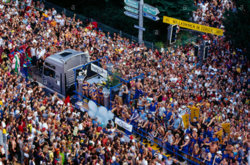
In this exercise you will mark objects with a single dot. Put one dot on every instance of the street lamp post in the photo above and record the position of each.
(140, 34)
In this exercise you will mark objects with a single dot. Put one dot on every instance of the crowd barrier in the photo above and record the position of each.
(158, 141)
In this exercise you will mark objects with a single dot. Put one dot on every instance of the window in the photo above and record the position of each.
(50, 65)
(49, 72)
(64, 54)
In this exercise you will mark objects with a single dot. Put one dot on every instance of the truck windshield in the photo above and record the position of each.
(50, 65)
(49, 72)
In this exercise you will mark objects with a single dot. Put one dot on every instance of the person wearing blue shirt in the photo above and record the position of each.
(185, 145)
(169, 116)
(225, 155)
(134, 117)
(1, 112)
(115, 163)
(161, 110)
(141, 150)
(217, 158)
(25, 21)
(214, 138)
(143, 119)
(188, 130)
(94, 121)
(209, 132)
(140, 103)
(207, 142)
(153, 106)
(201, 139)
(208, 159)
(143, 115)
(177, 123)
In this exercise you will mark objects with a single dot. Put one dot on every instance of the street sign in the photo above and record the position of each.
(140, 28)
(137, 9)
(150, 9)
(146, 8)
(152, 17)
(132, 10)
(127, 13)
(132, 3)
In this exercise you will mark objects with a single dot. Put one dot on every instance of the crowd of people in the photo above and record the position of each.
(44, 130)
(210, 12)
(173, 84)
(40, 129)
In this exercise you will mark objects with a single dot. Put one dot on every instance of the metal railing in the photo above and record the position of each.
(178, 154)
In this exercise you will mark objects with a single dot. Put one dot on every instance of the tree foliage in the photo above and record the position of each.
(237, 24)
(111, 12)
(181, 9)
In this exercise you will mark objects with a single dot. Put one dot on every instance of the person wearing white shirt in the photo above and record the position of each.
(2, 150)
(3, 123)
(144, 162)
(195, 17)
(162, 109)
(197, 72)
(41, 53)
(28, 2)
(54, 12)
(1, 6)
(45, 125)
(1, 42)
(80, 127)
(169, 161)
(62, 22)
(33, 51)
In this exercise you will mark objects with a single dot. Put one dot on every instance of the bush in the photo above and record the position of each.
(160, 45)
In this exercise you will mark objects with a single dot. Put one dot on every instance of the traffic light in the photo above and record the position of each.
(196, 50)
(205, 52)
(174, 34)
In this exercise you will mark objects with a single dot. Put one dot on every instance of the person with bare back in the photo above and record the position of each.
(138, 90)
(213, 148)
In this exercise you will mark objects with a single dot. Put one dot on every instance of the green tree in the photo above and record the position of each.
(181, 9)
(237, 25)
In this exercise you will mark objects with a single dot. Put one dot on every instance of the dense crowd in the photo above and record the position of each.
(210, 12)
(173, 85)
(45, 130)
(41, 129)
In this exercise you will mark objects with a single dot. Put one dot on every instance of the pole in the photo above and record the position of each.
(5, 145)
(140, 34)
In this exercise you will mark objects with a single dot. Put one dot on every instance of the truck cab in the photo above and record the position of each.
(58, 70)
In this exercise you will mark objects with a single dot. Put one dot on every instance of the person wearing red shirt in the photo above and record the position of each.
(104, 141)
(20, 128)
(199, 98)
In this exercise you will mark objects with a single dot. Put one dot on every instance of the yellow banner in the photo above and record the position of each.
(219, 134)
(192, 26)
(226, 127)
(185, 119)
(195, 112)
